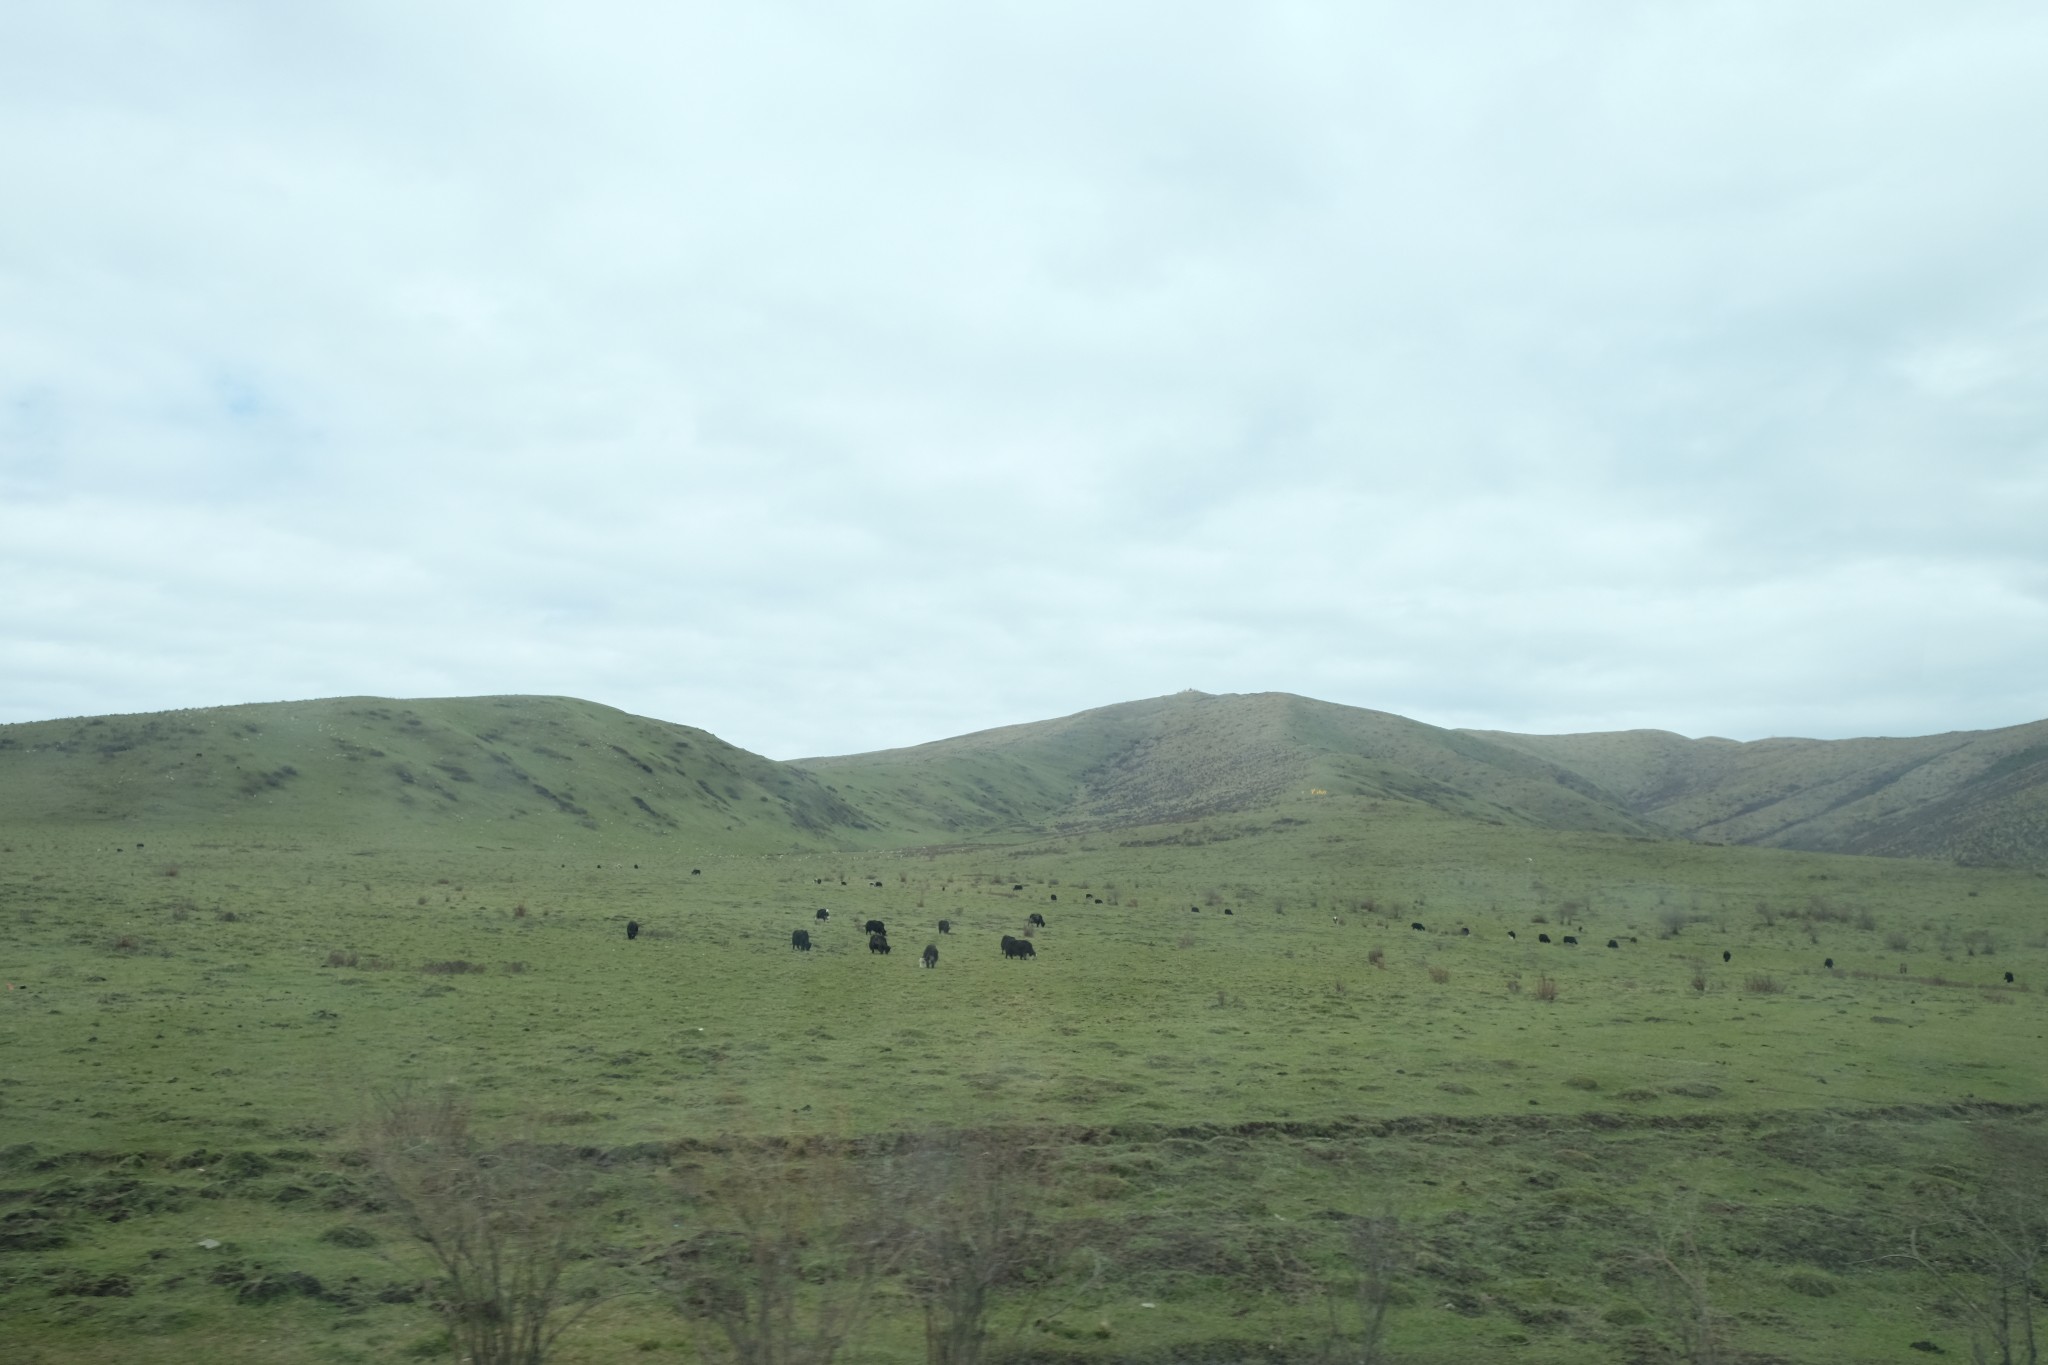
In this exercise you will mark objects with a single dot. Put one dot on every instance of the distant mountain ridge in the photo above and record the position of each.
(519, 768)
(1976, 796)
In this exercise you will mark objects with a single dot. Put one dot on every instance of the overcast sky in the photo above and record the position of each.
(837, 376)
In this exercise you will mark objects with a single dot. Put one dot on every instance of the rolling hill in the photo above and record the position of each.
(505, 769)
(1973, 796)
(1194, 755)
(517, 769)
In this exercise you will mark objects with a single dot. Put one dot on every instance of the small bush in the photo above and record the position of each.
(1897, 941)
(453, 967)
(1699, 977)
(1440, 975)
(519, 911)
(228, 917)
(337, 958)
(1582, 1083)
(1546, 988)
(1760, 984)
(1186, 940)
(1812, 1283)
(1378, 958)
(349, 1235)
(1514, 985)
(127, 943)
(514, 968)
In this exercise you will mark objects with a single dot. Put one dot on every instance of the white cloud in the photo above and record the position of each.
(847, 376)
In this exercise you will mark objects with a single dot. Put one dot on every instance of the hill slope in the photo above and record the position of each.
(1192, 755)
(492, 768)
(1976, 796)
(518, 769)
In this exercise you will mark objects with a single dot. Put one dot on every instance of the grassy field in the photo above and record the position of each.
(1230, 1045)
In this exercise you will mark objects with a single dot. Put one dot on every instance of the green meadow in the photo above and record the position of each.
(1230, 1052)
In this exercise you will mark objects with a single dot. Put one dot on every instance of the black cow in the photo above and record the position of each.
(1194, 909)
(2008, 978)
(945, 926)
(632, 929)
(1543, 938)
(1726, 955)
(1612, 944)
(931, 954)
(1018, 947)
(874, 926)
(1465, 930)
(1053, 897)
(801, 940)
(1018, 887)
(1038, 919)
(1415, 924)
(878, 943)
(1226, 909)
(1511, 933)
(1830, 965)
(1569, 939)
(696, 872)
(823, 914)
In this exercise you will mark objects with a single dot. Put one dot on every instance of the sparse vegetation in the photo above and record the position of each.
(1203, 1115)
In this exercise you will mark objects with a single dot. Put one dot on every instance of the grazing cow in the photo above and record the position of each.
(931, 954)
(1194, 909)
(1226, 909)
(1024, 948)
(823, 914)
(1053, 897)
(1726, 955)
(1612, 944)
(1511, 933)
(874, 926)
(632, 929)
(2008, 978)
(801, 940)
(945, 926)
(1018, 887)
(878, 943)
(1573, 941)
(1830, 965)
(696, 872)
(1038, 919)
(1464, 930)
(1543, 938)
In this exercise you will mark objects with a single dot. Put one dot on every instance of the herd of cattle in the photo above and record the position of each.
(878, 938)
(1022, 948)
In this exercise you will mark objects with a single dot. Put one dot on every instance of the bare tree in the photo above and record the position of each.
(1680, 1269)
(788, 1259)
(502, 1226)
(1987, 1244)
(1375, 1251)
(980, 1258)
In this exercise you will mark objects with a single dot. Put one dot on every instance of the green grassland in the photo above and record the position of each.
(205, 995)
(181, 1062)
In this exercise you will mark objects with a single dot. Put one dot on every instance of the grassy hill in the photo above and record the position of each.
(1599, 1098)
(1192, 755)
(1974, 796)
(521, 769)
(484, 769)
